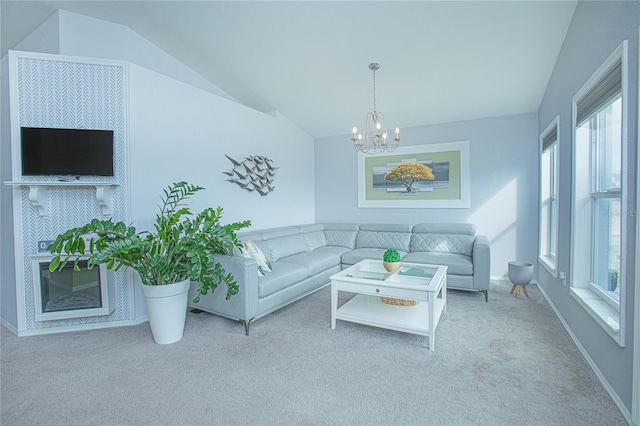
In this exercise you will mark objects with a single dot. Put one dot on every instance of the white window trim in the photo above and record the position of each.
(548, 262)
(610, 319)
(635, 392)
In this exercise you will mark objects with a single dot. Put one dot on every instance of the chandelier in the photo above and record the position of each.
(375, 137)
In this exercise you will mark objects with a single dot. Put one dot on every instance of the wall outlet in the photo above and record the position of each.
(563, 276)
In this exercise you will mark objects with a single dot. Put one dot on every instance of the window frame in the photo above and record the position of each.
(610, 316)
(548, 256)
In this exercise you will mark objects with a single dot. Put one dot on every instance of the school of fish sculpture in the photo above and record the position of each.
(254, 173)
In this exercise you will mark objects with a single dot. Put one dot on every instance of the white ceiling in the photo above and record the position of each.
(440, 61)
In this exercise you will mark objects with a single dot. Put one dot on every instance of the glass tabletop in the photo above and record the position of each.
(408, 273)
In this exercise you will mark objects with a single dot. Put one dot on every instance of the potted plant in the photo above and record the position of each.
(179, 251)
(391, 260)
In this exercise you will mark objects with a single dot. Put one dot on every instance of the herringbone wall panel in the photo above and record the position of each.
(72, 95)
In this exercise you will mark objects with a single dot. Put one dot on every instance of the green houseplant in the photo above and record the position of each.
(391, 260)
(179, 251)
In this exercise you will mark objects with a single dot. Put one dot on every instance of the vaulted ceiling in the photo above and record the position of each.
(440, 61)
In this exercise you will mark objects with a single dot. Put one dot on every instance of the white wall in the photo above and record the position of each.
(44, 39)
(8, 307)
(180, 127)
(85, 36)
(179, 132)
(69, 33)
(596, 30)
(504, 184)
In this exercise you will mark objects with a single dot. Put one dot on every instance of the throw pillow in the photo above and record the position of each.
(241, 252)
(251, 250)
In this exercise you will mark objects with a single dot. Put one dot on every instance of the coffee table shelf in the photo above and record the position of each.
(371, 310)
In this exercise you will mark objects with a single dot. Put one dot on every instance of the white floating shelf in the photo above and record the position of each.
(39, 193)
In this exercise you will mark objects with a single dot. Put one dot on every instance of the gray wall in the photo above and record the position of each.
(504, 183)
(596, 30)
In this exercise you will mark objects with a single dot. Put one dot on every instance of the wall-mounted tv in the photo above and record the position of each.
(62, 152)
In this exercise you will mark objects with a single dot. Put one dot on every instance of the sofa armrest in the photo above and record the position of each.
(481, 263)
(242, 306)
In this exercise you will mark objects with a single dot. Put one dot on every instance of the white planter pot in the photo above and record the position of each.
(520, 273)
(167, 309)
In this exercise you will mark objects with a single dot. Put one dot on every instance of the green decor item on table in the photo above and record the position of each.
(391, 255)
(391, 260)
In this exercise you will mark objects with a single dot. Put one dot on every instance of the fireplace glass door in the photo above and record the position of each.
(67, 289)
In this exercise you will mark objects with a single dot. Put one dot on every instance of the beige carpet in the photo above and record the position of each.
(506, 362)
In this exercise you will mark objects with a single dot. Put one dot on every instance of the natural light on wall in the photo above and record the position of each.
(500, 229)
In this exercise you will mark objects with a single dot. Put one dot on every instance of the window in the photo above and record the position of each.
(548, 246)
(599, 225)
(603, 129)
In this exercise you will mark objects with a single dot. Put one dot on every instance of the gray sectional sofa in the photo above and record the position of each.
(303, 258)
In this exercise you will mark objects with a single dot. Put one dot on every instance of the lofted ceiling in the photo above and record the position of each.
(440, 61)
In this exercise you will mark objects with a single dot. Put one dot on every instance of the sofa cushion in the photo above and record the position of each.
(315, 239)
(341, 238)
(309, 228)
(315, 261)
(249, 235)
(284, 275)
(445, 228)
(443, 243)
(385, 240)
(287, 246)
(355, 256)
(385, 227)
(271, 233)
(333, 249)
(458, 264)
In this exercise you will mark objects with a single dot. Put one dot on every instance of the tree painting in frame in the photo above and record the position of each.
(420, 176)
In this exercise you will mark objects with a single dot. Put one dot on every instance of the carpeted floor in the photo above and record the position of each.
(506, 362)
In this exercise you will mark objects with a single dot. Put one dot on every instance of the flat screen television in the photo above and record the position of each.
(66, 152)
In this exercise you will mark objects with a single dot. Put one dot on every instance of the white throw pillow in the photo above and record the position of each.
(249, 249)
(240, 252)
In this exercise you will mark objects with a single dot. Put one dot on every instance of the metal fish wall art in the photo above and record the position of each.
(254, 173)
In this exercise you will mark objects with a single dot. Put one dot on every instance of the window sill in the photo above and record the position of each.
(549, 265)
(605, 315)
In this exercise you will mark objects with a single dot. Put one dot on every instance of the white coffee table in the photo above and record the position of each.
(368, 278)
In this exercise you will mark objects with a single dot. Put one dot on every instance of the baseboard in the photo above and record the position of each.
(499, 278)
(505, 278)
(612, 393)
(83, 327)
(9, 326)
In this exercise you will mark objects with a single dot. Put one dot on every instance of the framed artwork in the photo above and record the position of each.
(419, 176)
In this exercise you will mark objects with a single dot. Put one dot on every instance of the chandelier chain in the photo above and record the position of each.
(374, 91)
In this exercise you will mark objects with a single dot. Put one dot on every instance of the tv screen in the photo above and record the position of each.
(64, 152)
